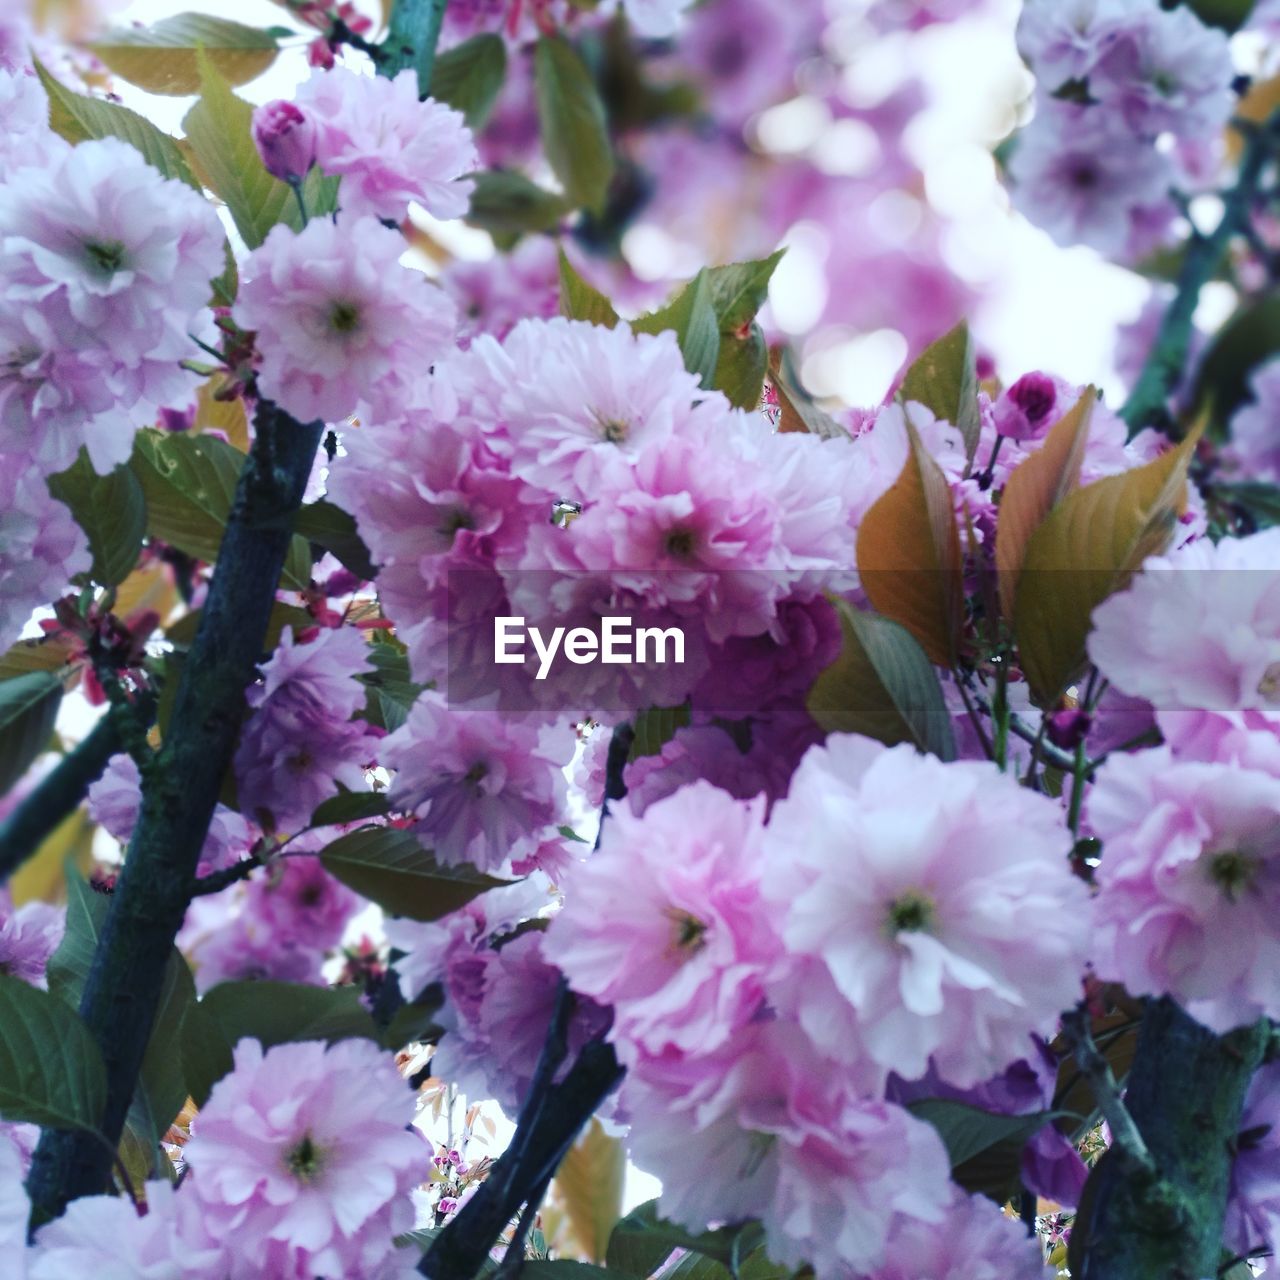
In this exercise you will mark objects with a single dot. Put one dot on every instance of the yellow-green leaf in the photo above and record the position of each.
(590, 1179)
(944, 379)
(43, 877)
(691, 316)
(1088, 547)
(1035, 488)
(469, 76)
(580, 300)
(883, 686)
(909, 554)
(162, 58)
(79, 118)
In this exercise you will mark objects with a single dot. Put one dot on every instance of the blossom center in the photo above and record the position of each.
(306, 1160)
(105, 256)
(613, 430)
(680, 543)
(476, 774)
(1269, 685)
(1234, 872)
(688, 933)
(344, 317)
(912, 912)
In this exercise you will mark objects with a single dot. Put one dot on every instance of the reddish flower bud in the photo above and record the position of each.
(286, 139)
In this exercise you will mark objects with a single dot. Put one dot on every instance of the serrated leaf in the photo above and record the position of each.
(111, 510)
(68, 967)
(330, 527)
(78, 119)
(655, 727)
(189, 482)
(350, 806)
(218, 129)
(590, 1179)
(692, 318)
(944, 378)
(469, 76)
(507, 203)
(883, 686)
(740, 289)
(28, 708)
(642, 1241)
(575, 135)
(909, 554)
(1035, 488)
(390, 867)
(582, 301)
(968, 1131)
(51, 1071)
(272, 1013)
(798, 410)
(1088, 547)
(392, 691)
(161, 58)
(43, 876)
(46, 653)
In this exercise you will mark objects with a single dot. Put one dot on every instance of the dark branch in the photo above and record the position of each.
(411, 40)
(216, 881)
(1148, 404)
(55, 796)
(179, 794)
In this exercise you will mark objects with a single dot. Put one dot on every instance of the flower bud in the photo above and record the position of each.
(1025, 411)
(286, 139)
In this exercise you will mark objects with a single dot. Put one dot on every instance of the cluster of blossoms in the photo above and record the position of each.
(1132, 103)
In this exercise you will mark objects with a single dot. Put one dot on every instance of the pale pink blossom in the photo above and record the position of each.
(302, 1163)
(654, 19)
(481, 785)
(388, 147)
(1255, 444)
(665, 922)
(1064, 40)
(1253, 1207)
(15, 1207)
(29, 935)
(951, 931)
(339, 320)
(116, 260)
(1189, 884)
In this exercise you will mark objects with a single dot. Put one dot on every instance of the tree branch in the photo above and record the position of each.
(125, 979)
(411, 40)
(1148, 404)
(55, 796)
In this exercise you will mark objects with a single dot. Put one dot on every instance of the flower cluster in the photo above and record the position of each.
(1114, 78)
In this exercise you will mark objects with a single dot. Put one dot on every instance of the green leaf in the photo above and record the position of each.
(390, 867)
(469, 77)
(69, 965)
(218, 129)
(562, 1269)
(43, 653)
(692, 317)
(504, 202)
(582, 301)
(111, 510)
(654, 728)
(333, 529)
(51, 1072)
(351, 806)
(1086, 548)
(189, 482)
(162, 58)
(575, 134)
(272, 1013)
(78, 119)
(415, 1021)
(590, 1180)
(944, 378)
(1229, 14)
(740, 289)
(392, 692)
(28, 707)
(799, 411)
(642, 1241)
(741, 366)
(1249, 338)
(882, 685)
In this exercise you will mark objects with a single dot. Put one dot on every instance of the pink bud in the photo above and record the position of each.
(1024, 411)
(286, 139)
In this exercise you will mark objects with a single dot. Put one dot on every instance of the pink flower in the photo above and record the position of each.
(1254, 449)
(494, 295)
(951, 931)
(1189, 884)
(297, 899)
(1253, 1208)
(654, 19)
(1223, 603)
(1026, 410)
(24, 120)
(117, 261)
(106, 1236)
(302, 1163)
(41, 546)
(974, 1241)
(15, 1207)
(338, 320)
(665, 922)
(323, 669)
(481, 785)
(286, 139)
(29, 935)
(1065, 39)
(1084, 178)
(388, 147)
